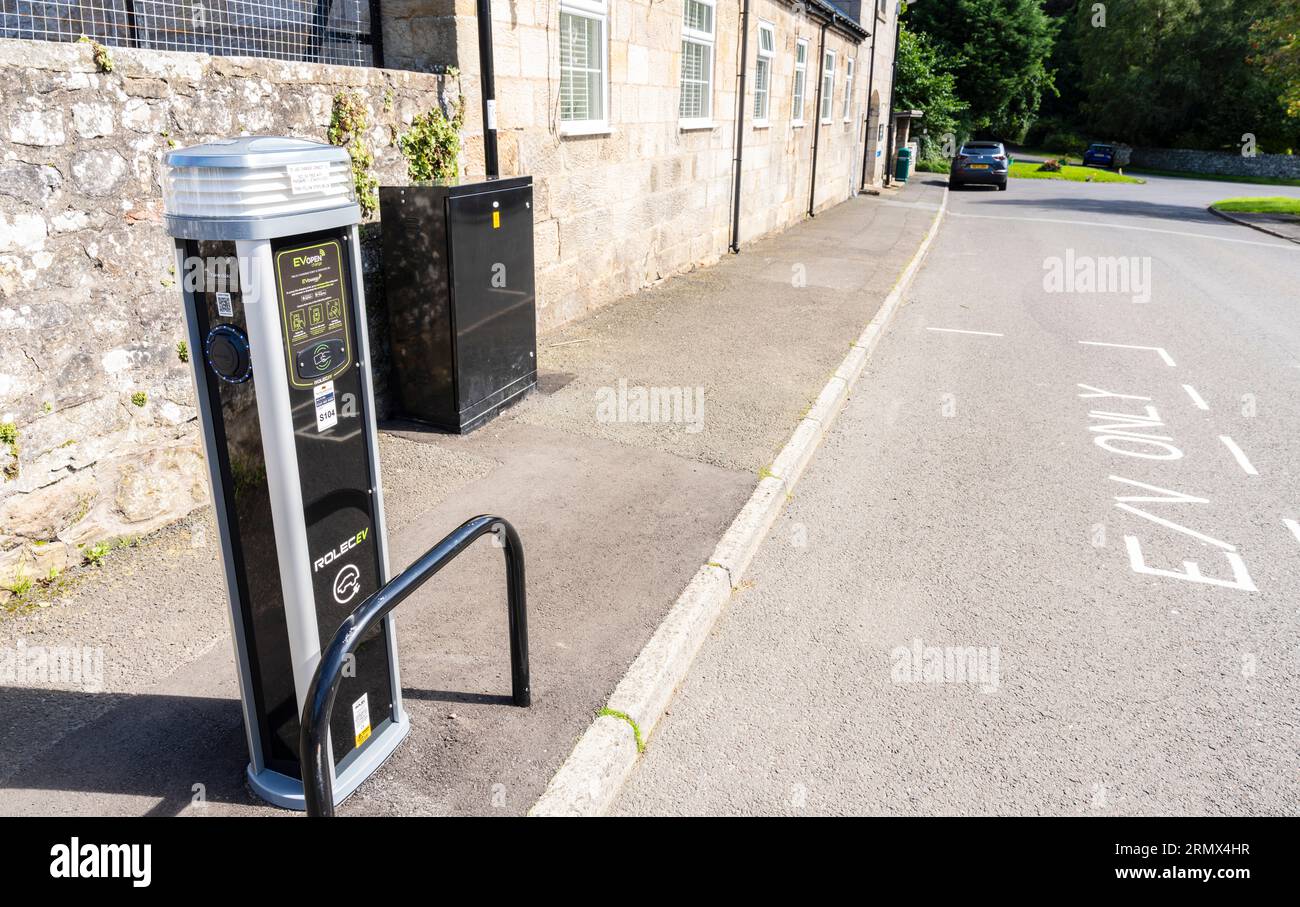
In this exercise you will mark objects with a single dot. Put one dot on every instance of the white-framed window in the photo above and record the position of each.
(800, 79)
(584, 66)
(882, 8)
(848, 89)
(698, 28)
(828, 86)
(763, 72)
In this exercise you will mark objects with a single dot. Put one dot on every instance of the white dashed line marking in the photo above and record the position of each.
(1169, 360)
(1196, 398)
(1294, 527)
(959, 331)
(1238, 455)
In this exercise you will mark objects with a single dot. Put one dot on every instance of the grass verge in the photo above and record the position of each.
(1215, 177)
(1063, 156)
(1027, 170)
(1271, 204)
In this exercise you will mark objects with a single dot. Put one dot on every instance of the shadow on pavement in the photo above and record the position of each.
(1112, 206)
(174, 750)
(170, 749)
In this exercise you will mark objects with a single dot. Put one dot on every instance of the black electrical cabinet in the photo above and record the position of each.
(459, 283)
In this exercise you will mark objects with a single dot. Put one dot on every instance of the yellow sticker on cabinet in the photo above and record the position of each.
(496, 219)
(361, 718)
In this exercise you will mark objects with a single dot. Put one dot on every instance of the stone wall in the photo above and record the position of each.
(90, 374)
(1222, 163)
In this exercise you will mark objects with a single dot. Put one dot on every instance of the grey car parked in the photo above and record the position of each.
(980, 163)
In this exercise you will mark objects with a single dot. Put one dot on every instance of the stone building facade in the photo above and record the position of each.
(639, 192)
(97, 432)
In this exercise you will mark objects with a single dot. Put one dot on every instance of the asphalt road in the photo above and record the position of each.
(1048, 566)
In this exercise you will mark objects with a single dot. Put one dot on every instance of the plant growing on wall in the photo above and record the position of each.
(348, 123)
(432, 145)
(9, 440)
(98, 53)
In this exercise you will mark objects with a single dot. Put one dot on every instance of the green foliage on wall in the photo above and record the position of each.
(348, 123)
(432, 145)
(9, 438)
(98, 53)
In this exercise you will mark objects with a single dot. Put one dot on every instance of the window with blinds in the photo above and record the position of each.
(583, 63)
(800, 78)
(763, 72)
(848, 90)
(828, 85)
(697, 62)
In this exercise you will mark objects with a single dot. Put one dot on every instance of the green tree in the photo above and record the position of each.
(998, 51)
(1276, 42)
(926, 83)
(1177, 73)
(1063, 103)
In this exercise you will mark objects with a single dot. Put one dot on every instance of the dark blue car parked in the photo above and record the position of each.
(1099, 155)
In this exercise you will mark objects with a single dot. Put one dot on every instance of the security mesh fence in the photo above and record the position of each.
(317, 31)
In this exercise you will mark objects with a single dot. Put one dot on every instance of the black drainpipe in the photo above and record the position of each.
(817, 118)
(740, 124)
(871, 81)
(487, 84)
(376, 35)
(893, 93)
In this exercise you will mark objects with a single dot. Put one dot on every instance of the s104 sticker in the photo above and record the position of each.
(327, 411)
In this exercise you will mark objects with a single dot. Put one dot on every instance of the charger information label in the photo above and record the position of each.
(311, 176)
(327, 414)
(361, 718)
(313, 311)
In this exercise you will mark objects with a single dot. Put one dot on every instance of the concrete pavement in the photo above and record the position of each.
(616, 514)
(979, 599)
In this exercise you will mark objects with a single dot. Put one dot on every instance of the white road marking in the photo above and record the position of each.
(1239, 455)
(1167, 495)
(1087, 223)
(959, 331)
(1169, 360)
(1170, 524)
(1196, 398)
(1098, 392)
(1191, 570)
(1294, 527)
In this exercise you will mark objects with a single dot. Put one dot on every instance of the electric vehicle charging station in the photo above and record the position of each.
(269, 262)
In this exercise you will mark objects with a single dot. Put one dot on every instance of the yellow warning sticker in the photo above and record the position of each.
(496, 219)
(361, 718)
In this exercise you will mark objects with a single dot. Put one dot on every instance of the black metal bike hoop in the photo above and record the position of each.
(317, 774)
